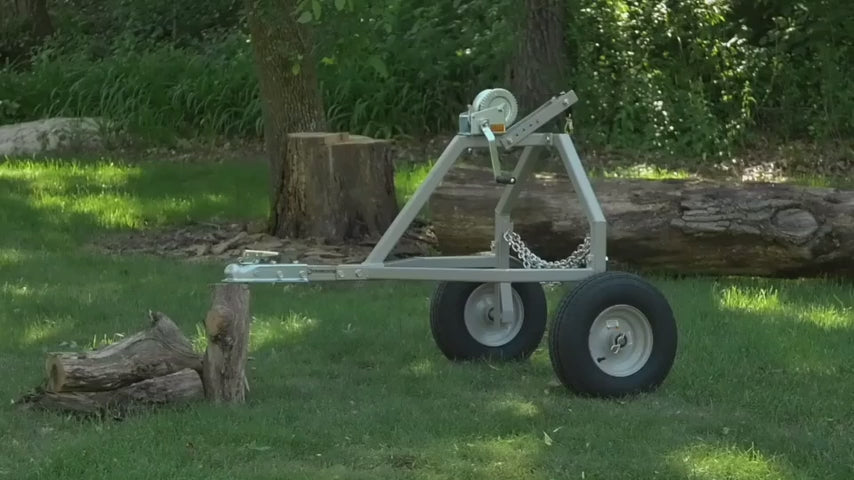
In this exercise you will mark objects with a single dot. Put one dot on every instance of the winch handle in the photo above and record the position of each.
(493, 155)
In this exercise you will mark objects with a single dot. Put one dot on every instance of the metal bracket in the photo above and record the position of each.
(536, 119)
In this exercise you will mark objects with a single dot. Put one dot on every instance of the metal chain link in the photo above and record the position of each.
(531, 260)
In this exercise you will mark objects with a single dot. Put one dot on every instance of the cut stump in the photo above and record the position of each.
(227, 327)
(159, 350)
(678, 226)
(339, 187)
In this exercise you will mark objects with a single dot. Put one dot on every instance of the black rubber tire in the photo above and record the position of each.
(568, 336)
(447, 323)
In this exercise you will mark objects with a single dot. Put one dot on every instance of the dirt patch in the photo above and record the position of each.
(210, 242)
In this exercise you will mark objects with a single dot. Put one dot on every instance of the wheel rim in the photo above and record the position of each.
(480, 309)
(620, 340)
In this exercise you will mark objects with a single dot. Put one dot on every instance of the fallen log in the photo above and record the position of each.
(175, 388)
(679, 226)
(159, 350)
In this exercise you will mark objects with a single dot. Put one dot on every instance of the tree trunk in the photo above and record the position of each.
(669, 226)
(540, 67)
(36, 12)
(339, 187)
(181, 386)
(290, 97)
(227, 327)
(159, 350)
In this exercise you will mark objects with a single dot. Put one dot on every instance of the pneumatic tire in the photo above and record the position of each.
(614, 334)
(460, 321)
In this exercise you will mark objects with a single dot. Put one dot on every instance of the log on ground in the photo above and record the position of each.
(227, 326)
(175, 388)
(678, 226)
(159, 350)
(339, 187)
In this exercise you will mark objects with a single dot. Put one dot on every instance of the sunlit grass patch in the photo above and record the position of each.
(408, 178)
(53, 175)
(284, 329)
(645, 171)
(713, 462)
(516, 406)
(10, 256)
(767, 300)
(87, 196)
(421, 368)
(750, 299)
(41, 331)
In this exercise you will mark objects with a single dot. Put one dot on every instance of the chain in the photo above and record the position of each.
(531, 260)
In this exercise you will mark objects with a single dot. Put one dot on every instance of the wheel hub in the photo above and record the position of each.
(482, 322)
(620, 340)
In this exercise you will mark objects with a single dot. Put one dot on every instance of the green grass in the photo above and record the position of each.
(347, 383)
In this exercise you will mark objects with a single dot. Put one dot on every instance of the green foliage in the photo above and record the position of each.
(408, 67)
(698, 78)
(157, 93)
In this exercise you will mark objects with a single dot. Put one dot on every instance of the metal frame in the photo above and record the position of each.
(491, 268)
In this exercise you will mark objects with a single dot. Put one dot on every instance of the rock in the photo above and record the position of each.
(48, 135)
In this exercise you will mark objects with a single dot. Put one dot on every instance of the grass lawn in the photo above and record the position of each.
(347, 383)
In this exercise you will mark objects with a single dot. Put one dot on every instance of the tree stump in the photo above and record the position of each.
(227, 326)
(677, 226)
(339, 187)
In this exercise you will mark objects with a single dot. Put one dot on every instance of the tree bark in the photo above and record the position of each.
(675, 226)
(36, 12)
(540, 66)
(290, 97)
(159, 350)
(178, 387)
(227, 326)
(339, 187)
